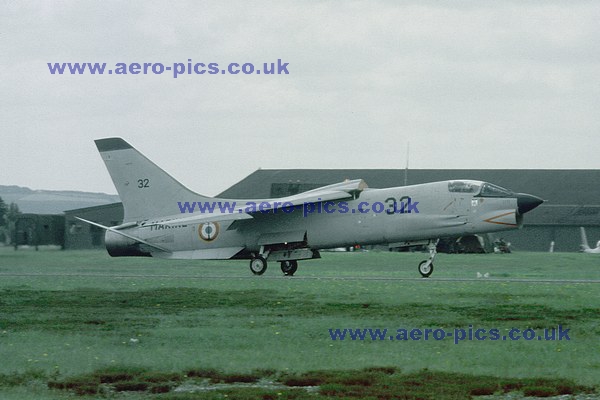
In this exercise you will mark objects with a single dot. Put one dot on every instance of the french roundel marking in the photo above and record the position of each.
(208, 231)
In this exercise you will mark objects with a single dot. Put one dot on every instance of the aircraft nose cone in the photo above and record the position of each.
(527, 202)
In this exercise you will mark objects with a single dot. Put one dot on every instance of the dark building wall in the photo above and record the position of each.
(80, 235)
(39, 230)
(539, 237)
(290, 189)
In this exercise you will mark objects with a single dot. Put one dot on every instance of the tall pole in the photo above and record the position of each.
(406, 169)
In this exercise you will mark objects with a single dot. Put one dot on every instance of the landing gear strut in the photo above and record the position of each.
(289, 267)
(426, 266)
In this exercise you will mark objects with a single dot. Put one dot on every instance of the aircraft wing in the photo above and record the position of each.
(342, 189)
(337, 191)
(201, 218)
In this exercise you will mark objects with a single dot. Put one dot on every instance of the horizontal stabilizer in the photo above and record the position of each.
(118, 232)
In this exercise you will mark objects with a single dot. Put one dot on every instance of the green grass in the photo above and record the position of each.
(70, 315)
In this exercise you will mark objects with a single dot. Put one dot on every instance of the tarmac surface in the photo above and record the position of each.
(300, 277)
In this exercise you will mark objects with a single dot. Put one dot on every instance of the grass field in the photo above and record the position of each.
(82, 322)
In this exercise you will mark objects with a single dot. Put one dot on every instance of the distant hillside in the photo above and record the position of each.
(52, 201)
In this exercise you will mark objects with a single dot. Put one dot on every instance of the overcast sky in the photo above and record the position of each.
(476, 84)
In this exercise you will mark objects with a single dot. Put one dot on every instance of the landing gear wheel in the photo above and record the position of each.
(424, 269)
(426, 266)
(258, 265)
(289, 268)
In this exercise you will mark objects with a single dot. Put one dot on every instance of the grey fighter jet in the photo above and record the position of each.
(164, 219)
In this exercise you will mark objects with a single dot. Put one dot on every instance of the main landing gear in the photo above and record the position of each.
(426, 266)
(258, 265)
(289, 267)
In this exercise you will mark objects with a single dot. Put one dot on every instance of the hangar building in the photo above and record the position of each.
(39, 230)
(572, 200)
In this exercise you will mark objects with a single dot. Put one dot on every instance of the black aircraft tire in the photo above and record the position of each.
(425, 272)
(289, 268)
(258, 265)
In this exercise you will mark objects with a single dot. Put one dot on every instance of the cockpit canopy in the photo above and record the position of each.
(464, 187)
(489, 190)
(476, 188)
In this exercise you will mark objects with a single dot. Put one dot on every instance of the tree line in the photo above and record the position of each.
(8, 217)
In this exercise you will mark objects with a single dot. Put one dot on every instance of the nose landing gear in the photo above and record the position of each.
(426, 266)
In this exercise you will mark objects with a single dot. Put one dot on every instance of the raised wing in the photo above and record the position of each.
(200, 218)
(337, 191)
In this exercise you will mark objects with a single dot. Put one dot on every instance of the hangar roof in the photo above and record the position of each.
(557, 187)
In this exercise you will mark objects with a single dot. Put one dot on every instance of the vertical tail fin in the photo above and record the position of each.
(584, 241)
(145, 190)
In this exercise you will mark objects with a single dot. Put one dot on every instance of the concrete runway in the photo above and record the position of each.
(300, 277)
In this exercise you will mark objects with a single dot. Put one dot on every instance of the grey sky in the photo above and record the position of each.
(470, 84)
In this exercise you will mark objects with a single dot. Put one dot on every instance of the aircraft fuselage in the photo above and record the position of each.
(401, 214)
